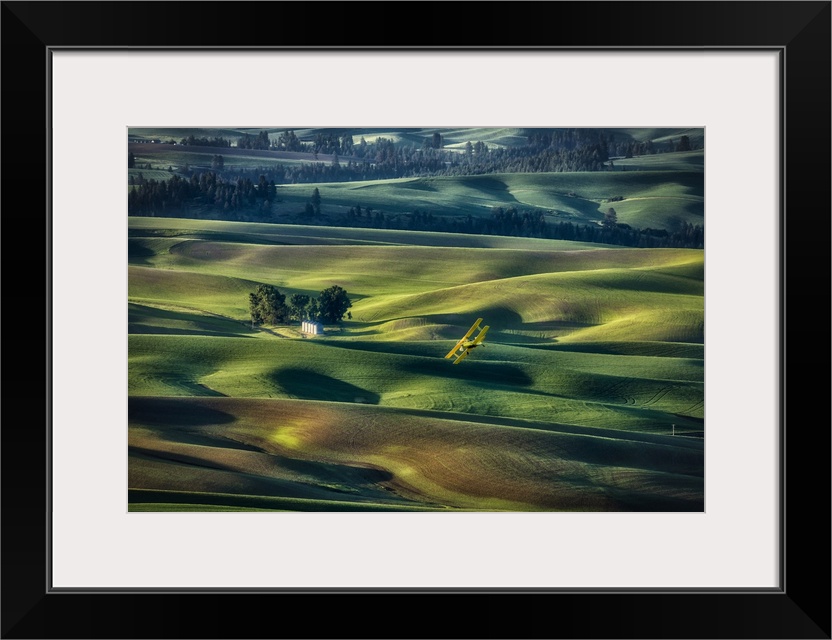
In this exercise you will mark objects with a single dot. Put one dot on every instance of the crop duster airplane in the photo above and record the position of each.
(464, 346)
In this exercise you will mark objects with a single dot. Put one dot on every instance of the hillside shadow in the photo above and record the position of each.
(422, 348)
(489, 185)
(498, 374)
(138, 253)
(578, 207)
(174, 412)
(426, 359)
(310, 385)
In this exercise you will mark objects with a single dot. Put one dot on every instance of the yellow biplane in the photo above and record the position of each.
(464, 346)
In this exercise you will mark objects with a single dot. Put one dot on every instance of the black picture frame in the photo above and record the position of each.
(800, 608)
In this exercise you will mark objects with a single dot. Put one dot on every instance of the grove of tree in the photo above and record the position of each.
(267, 305)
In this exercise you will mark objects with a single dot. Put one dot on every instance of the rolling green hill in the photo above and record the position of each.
(593, 360)
(661, 199)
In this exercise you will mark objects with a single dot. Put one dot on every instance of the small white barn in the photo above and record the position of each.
(312, 328)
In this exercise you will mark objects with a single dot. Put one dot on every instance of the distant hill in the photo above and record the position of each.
(576, 176)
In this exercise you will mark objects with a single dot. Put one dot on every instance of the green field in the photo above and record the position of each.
(653, 197)
(200, 158)
(593, 362)
(661, 194)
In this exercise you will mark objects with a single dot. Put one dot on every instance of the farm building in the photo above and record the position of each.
(313, 328)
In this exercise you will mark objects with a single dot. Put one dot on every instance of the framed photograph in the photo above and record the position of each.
(338, 315)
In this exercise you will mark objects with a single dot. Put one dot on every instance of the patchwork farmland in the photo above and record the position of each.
(587, 396)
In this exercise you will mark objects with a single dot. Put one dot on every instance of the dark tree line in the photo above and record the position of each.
(207, 190)
(532, 224)
(193, 141)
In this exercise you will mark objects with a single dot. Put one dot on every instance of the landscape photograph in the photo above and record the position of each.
(415, 319)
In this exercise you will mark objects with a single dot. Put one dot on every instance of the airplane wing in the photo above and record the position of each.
(473, 328)
(462, 356)
(464, 338)
(481, 335)
(457, 346)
